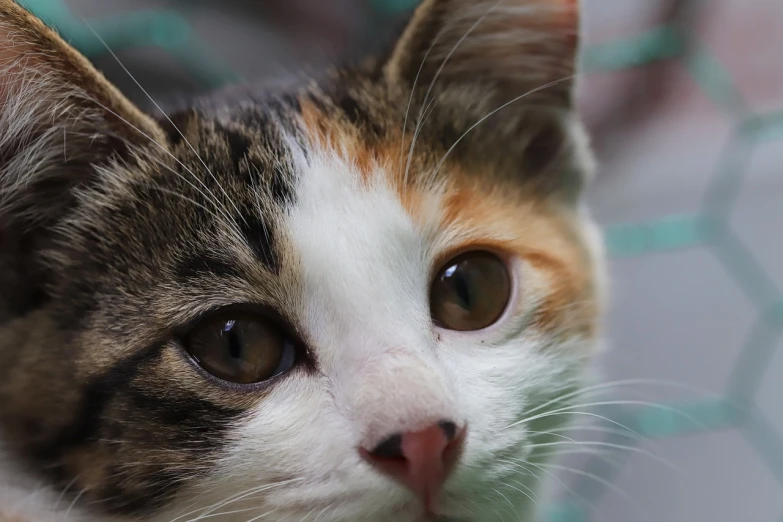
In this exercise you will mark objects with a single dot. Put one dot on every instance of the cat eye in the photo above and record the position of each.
(470, 292)
(241, 348)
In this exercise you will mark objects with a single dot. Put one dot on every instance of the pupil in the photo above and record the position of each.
(234, 340)
(462, 289)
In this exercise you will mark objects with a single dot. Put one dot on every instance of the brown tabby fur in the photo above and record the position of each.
(109, 221)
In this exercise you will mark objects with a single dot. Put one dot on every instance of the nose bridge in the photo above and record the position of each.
(379, 350)
(399, 390)
(364, 266)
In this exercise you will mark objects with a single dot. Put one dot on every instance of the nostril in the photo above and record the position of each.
(449, 429)
(391, 448)
(420, 460)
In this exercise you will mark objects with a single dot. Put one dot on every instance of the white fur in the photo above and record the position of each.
(383, 368)
(23, 499)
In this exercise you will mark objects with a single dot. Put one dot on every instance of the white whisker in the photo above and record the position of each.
(647, 404)
(218, 207)
(621, 447)
(234, 498)
(491, 113)
(119, 62)
(513, 507)
(259, 517)
(65, 490)
(617, 489)
(454, 48)
(73, 503)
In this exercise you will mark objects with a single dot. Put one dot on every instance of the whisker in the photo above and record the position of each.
(448, 56)
(214, 200)
(259, 206)
(235, 498)
(73, 503)
(65, 490)
(513, 507)
(495, 510)
(410, 98)
(209, 196)
(119, 62)
(568, 412)
(524, 463)
(259, 517)
(553, 432)
(156, 187)
(604, 454)
(425, 113)
(621, 447)
(227, 219)
(614, 487)
(221, 513)
(601, 387)
(491, 113)
(591, 428)
(307, 515)
(320, 513)
(614, 403)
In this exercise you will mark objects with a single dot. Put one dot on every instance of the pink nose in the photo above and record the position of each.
(420, 460)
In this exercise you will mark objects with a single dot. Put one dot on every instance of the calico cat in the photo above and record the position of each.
(365, 297)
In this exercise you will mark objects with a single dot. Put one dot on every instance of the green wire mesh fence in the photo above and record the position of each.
(710, 228)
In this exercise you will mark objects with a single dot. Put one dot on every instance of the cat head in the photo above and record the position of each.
(358, 298)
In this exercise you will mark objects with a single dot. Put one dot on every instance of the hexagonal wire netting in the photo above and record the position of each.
(709, 228)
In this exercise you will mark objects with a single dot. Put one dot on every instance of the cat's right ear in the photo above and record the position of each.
(59, 118)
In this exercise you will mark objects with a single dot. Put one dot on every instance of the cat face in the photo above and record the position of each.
(360, 298)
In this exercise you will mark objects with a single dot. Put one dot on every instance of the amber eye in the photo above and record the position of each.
(241, 348)
(470, 292)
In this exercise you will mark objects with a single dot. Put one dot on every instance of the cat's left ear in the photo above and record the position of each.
(59, 117)
(512, 47)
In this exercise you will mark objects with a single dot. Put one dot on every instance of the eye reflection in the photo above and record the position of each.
(241, 348)
(470, 292)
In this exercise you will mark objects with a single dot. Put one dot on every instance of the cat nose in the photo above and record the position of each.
(420, 460)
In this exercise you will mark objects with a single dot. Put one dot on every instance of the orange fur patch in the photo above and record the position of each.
(329, 134)
(389, 156)
(522, 225)
(476, 214)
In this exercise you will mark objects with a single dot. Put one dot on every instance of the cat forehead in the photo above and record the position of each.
(254, 196)
(361, 253)
(344, 166)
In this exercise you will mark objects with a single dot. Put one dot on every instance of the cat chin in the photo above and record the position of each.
(390, 505)
(410, 513)
(23, 499)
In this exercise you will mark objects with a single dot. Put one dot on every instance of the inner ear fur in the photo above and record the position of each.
(58, 117)
(511, 46)
(60, 120)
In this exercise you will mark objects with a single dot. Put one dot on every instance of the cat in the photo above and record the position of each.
(369, 296)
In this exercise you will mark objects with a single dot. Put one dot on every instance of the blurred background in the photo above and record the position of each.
(685, 101)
